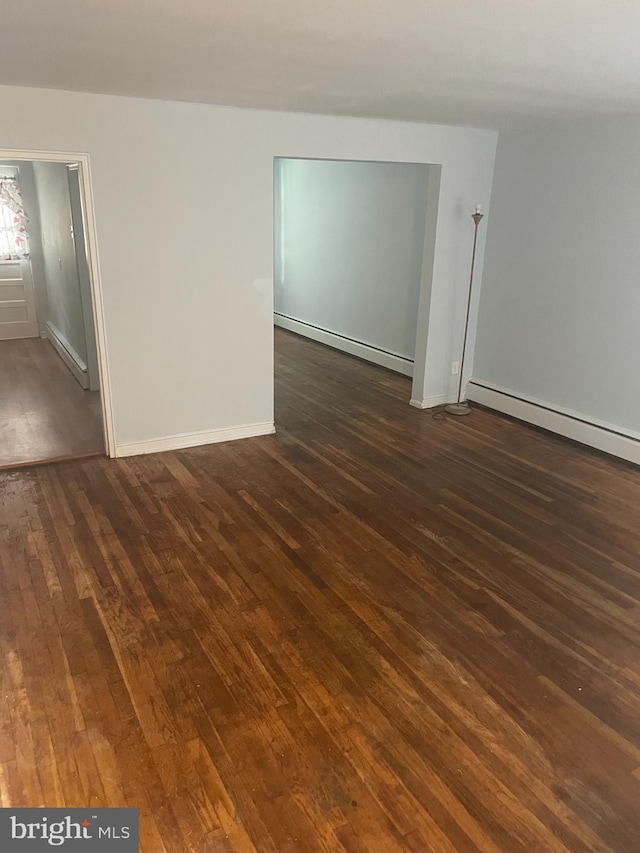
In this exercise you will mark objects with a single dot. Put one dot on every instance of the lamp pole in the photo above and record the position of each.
(460, 407)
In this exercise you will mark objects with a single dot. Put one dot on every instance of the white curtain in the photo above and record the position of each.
(14, 242)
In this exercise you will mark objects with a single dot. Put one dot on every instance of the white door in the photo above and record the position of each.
(17, 301)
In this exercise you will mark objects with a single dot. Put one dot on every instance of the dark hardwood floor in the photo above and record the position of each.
(44, 413)
(373, 631)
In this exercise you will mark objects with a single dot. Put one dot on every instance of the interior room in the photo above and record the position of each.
(355, 566)
(49, 383)
(348, 249)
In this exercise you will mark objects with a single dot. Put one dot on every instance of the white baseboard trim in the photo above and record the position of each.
(67, 353)
(563, 422)
(194, 439)
(368, 353)
(432, 402)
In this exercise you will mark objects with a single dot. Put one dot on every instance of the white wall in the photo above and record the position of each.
(560, 301)
(59, 257)
(24, 172)
(184, 211)
(348, 248)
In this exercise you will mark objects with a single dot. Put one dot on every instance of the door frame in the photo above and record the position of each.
(84, 279)
(91, 240)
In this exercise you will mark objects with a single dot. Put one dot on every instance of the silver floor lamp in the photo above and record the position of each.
(460, 407)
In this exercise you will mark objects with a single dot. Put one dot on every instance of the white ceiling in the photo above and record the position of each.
(488, 64)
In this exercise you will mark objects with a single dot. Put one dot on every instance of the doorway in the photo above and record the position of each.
(353, 260)
(349, 243)
(52, 400)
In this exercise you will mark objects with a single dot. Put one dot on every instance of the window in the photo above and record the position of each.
(14, 243)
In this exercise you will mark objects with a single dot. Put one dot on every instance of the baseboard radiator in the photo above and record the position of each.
(606, 437)
(74, 362)
(391, 360)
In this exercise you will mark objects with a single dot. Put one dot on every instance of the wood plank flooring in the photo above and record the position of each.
(44, 413)
(373, 631)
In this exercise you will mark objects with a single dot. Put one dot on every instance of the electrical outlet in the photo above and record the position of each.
(455, 368)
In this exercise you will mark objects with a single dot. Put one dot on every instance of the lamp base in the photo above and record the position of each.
(458, 409)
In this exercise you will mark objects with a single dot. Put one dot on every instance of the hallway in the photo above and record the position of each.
(44, 413)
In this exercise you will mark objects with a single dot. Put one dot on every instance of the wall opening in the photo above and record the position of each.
(52, 388)
(348, 254)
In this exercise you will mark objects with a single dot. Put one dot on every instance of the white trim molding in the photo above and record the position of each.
(67, 353)
(432, 402)
(603, 436)
(195, 439)
(390, 360)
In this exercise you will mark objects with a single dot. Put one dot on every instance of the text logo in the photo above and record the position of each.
(73, 830)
